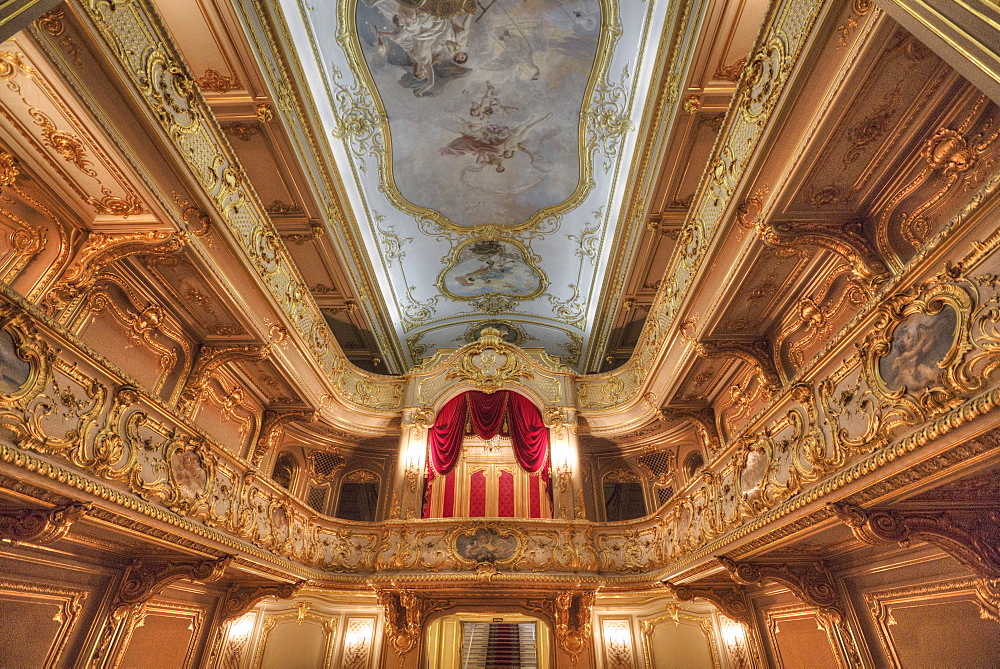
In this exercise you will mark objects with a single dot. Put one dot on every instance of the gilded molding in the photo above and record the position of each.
(101, 250)
(240, 597)
(209, 360)
(40, 526)
(813, 583)
(270, 430)
(570, 612)
(405, 613)
(758, 353)
(149, 59)
(847, 239)
(969, 537)
(143, 580)
(732, 600)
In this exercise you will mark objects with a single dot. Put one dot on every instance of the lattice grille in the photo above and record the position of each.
(659, 463)
(325, 464)
(317, 499)
(664, 494)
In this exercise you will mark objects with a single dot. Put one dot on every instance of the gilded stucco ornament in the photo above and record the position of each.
(40, 526)
(969, 537)
(490, 364)
(495, 544)
(405, 613)
(916, 359)
(147, 57)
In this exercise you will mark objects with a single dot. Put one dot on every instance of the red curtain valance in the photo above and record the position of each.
(503, 412)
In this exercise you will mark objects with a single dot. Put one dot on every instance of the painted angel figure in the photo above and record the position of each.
(427, 39)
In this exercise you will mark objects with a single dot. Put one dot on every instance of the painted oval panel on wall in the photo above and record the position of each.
(919, 343)
(483, 100)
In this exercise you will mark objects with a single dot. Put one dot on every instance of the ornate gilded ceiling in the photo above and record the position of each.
(484, 149)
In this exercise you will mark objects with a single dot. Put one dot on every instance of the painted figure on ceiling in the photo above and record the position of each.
(428, 37)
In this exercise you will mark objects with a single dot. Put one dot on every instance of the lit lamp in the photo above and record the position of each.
(414, 458)
(734, 637)
(357, 641)
(242, 626)
(618, 642)
(562, 465)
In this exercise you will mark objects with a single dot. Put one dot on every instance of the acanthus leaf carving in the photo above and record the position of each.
(40, 526)
(970, 538)
(491, 363)
(728, 598)
(143, 580)
(269, 430)
(846, 239)
(210, 359)
(571, 614)
(240, 597)
(813, 583)
(758, 353)
(405, 612)
(102, 249)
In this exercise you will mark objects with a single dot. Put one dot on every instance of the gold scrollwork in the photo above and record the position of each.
(490, 363)
(912, 359)
(486, 544)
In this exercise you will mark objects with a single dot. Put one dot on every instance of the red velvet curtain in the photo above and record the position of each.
(445, 436)
(486, 414)
(529, 434)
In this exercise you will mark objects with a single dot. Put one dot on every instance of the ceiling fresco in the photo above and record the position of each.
(484, 147)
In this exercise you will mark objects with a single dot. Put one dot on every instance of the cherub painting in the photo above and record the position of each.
(189, 473)
(491, 267)
(483, 100)
(919, 344)
(486, 545)
(14, 370)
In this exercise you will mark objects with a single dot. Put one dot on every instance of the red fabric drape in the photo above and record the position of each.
(529, 434)
(487, 412)
(445, 437)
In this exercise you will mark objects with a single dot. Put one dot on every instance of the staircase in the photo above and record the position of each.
(499, 646)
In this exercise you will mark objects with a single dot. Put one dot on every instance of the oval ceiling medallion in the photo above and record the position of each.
(484, 103)
(491, 267)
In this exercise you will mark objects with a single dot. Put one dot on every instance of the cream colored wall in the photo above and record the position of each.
(341, 631)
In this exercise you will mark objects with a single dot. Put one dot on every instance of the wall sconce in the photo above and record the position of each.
(734, 639)
(242, 627)
(414, 458)
(618, 644)
(562, 465)
(357, 642)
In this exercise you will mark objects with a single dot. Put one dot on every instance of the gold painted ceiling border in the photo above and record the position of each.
(135, 35)
(281, 62)
(591, 112)
(644, 169)
(790, 26)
